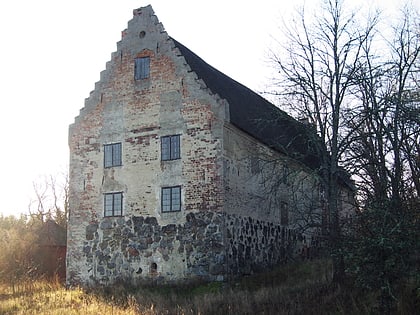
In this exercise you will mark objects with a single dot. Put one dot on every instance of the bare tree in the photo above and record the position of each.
(316, 71)
(51, 199)
(362, 93)
(384, 146)
(384, 157)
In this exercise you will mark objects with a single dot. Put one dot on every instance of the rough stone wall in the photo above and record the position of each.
(255, 246)
(258, 179)
(126, 248)
(137, 249)
(260, 185)
(172, 101)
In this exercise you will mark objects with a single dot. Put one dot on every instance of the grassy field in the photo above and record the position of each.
(303, 288)
(43, 297)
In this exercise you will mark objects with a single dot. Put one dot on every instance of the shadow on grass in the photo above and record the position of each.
(301, 288)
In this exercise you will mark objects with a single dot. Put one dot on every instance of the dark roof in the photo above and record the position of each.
(258, 117)
(51, 234)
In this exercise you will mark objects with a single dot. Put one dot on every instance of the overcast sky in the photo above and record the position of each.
(52, 53)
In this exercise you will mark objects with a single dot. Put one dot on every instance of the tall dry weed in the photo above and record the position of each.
(304, 288)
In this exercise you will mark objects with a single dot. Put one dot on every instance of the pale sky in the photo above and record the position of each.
(53, 51)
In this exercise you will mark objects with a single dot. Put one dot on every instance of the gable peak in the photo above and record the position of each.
(142, 10)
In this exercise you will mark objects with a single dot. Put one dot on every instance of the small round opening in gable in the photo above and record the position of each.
(142, 34)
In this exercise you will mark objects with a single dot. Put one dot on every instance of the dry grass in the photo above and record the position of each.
(303, 288)
(42, 297)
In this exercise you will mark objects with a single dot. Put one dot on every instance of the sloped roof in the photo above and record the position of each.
(258, 117)
(51, 234)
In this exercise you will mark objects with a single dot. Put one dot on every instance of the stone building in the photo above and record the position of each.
(50, 255)
(177, 171)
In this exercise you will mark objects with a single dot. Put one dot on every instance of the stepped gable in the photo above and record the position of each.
(256, 116)
(248, 111)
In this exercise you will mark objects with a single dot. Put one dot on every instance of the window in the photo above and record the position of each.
(171, 199)
(141, 68)
(113, 204)
(112, 155)
(170, 147)
(285, 175)
(284, 213)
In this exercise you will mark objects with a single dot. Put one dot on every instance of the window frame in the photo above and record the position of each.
(172, 146)
(115, 155)
(113, 212)
(141, 68)
(171, 206)
(284, 213)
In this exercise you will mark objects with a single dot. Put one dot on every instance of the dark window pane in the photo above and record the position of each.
(142, 68)
(166, 148)
(166, 199)
(108, 156)
(170, 148)
(284, 213)
(285, 174)
(116, 154)
(108, 205)
(112, 155)
(113, 204)
(117, 204)
(171, 199)
(175, 147)
(176, 198)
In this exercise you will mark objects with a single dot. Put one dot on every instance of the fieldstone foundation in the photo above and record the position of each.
(255, 245)
(137, 248)
(209, 246)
